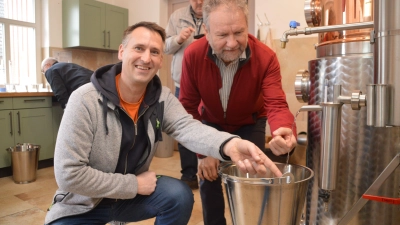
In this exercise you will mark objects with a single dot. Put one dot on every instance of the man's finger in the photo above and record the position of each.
(271, 166)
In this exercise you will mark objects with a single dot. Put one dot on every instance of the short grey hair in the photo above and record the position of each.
(211, 5)
(49, 60)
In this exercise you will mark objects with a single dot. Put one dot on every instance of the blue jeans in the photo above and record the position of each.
(171, 203)
(188, 158)
(211, 194)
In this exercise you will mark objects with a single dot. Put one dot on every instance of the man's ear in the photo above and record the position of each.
(206, 31)
(120, 51)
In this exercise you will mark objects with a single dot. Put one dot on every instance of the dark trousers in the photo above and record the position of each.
(188, 158)
(211, 194)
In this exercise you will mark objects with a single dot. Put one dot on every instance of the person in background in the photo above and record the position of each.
(64, 78)
(236, 81)
(108, 137)
(184, 26)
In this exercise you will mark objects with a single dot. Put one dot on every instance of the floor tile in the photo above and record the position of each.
(31, 216)
(11, 204)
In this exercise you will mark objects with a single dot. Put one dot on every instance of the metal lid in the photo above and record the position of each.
(23, 147)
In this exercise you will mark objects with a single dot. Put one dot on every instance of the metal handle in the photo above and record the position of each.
(1, 101)
(11, 130)
(104, 34)
(109, 38)
(19, 124)
(35, 100)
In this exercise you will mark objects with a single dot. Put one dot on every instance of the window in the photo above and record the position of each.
(19, 42)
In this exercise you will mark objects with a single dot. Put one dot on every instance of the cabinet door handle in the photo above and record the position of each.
(109, 38)
(104, 34)
(1, 101)
(11, 130)
(19, 124)
(35, 100)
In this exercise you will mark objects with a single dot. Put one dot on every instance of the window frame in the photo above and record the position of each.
(37, 26)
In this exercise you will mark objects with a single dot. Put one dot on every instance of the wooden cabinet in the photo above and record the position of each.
(93, 24)
(26, 120)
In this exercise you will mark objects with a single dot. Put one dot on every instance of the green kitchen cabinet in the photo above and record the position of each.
(93, 24)
(57, 116)
(26, 120)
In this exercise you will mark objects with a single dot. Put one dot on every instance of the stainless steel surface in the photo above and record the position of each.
(387, 45)
(330, 145)
(372, 190)
(312, 12)
(302, 85)
(345, 48)
(266, 200)
(315, 30)
(24, 162)
(364, 151)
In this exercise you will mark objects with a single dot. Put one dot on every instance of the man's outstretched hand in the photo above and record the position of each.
(249, 158)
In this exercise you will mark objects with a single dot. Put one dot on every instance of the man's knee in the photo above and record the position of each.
(179, 194)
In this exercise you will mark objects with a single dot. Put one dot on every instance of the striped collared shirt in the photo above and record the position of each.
(227, 74)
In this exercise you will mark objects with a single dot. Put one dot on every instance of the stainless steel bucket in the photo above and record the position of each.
(256, 200)
(24, 162)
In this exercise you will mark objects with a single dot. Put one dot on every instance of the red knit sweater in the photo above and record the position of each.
(256, 90)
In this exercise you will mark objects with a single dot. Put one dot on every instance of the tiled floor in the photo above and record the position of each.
(27, 203)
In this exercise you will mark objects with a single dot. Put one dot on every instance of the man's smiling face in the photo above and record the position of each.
(141, 56)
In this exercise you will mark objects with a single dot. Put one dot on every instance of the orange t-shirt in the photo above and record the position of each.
(131, 108)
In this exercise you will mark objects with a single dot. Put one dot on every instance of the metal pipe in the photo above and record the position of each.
(314, 30)
(371, 105)
(381, 107)
(307, 108)
(330, 145)
(386, 57)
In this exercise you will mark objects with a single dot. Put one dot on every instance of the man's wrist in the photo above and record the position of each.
(221, 150)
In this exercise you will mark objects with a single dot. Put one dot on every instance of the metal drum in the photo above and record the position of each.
(266, 200)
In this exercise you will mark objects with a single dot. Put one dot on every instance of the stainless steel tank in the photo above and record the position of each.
(365, 151)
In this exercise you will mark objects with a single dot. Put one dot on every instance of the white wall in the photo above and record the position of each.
(139, 10)
(280, 13)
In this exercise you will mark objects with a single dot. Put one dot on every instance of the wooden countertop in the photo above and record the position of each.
(25, 94)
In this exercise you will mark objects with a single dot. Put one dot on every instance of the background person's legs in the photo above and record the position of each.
(188, 162)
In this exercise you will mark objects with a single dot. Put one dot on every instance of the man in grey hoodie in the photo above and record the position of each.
(109, 134)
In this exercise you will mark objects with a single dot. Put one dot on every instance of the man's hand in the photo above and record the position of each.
(283, 142)
(184, 34)
(249, 158)
(208, 168)
(147, 182)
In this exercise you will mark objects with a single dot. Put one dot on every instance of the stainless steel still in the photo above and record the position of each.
(359, 58)
(265, 200)
(24, 162)
(364, 151)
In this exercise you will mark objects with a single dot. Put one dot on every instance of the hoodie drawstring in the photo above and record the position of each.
(105, 113)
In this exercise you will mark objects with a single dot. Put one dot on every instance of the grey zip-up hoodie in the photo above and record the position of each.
(178, 20)
(89, 142)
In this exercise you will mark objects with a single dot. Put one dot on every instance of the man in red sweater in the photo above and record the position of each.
(232, 82)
